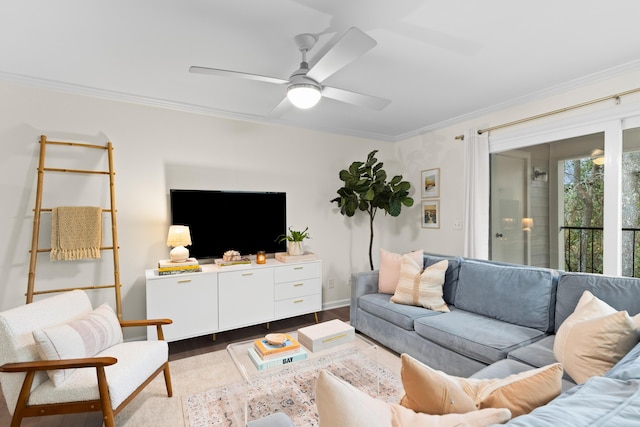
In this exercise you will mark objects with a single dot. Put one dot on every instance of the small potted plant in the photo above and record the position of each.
(294, 240)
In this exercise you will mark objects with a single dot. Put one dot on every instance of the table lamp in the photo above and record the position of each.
(179, 237)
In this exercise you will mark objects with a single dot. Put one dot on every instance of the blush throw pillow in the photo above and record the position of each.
(421, 287)
(430, 391)
(342, 405)
(435, 392)
(594, 338)
(82, 337)
(389, 271)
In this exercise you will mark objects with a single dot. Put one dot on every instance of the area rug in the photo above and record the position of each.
(290, 390)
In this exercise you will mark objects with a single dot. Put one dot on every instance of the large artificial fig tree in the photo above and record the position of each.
(366, 189)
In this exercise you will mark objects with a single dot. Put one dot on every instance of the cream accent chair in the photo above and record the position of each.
(107, 381)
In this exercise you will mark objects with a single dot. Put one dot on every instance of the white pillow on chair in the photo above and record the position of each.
(85, 336)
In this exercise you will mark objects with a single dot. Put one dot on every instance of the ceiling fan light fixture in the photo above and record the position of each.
(304, 95)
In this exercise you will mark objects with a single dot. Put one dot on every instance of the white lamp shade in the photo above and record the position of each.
(179, 235)
(304, 95)
(527, 224)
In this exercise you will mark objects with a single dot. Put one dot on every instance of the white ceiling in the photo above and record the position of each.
(437, 61)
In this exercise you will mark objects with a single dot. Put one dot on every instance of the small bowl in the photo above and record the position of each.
(276, 339)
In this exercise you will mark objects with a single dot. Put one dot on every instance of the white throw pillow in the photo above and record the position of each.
(593, 338)
(82, 337)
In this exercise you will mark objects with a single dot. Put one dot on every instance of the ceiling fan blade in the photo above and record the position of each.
(283, 106)
(353, 44)
(236, 74)
(359, 99)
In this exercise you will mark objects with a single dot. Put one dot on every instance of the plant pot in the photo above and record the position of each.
(295, 248)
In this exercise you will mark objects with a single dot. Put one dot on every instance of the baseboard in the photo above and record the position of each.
(336, 304)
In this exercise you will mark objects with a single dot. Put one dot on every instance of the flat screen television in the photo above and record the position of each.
(219, 221)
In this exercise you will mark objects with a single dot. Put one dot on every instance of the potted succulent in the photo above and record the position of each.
(294, 240)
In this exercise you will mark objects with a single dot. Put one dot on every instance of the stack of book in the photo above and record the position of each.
(265, 355)
(166, 266)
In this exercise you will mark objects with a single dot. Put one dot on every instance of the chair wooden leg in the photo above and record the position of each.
(23, 398)
(105, 400)
(167, 379)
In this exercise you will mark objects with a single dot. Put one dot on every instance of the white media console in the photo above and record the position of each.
(223, 298)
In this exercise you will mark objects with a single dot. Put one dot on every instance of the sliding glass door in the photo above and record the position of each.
(570, 203)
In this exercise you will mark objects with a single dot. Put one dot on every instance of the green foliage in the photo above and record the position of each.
(294, 236)
(583, 208)
(366, 189)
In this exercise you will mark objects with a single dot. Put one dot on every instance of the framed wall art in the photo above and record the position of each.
(430, 214)
(430, 183)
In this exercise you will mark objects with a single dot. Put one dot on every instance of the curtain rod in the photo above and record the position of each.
(550, 113)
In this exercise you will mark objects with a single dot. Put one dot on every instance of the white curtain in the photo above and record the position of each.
(476, 212)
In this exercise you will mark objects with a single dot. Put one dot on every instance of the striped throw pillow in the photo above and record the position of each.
(421, 287)
(82, 337)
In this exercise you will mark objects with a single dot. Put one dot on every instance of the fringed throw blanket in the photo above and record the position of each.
(76, 232)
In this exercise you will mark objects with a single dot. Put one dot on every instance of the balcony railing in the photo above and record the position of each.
(583, 250)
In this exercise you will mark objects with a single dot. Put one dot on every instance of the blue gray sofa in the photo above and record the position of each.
(502, 320)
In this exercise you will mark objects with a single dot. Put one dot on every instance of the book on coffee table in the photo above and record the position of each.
(261, 364)
(266, 350)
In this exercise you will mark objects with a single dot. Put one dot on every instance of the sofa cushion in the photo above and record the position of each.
(389, 272)
(478, 337)
(620, 293)
(421, 287)
(398, 314)
(435, 392)
(593, 338)
(505, 367)
(450, 277)
(629, 367)
(537, 354)
(342, 405)
(516, 294)
(81, 337)
(601, 401)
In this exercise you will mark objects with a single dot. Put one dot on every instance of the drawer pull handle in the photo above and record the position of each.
(298, 300)
(298, 268)
(184, 281)
(247, 274)
(298, 284)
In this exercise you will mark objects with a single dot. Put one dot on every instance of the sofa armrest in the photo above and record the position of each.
(361, 284)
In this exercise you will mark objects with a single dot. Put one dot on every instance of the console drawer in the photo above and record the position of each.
(292, 273)
(297, 289)
(295, 306)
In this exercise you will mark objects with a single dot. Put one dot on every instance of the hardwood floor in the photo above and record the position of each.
(178, 350)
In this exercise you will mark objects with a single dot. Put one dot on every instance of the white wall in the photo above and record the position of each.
(440, 149)
(157, 149)
(154, 150)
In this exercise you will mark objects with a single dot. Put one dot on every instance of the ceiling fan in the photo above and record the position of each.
(304, 86)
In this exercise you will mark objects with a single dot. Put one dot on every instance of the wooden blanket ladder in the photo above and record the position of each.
(39, 210)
